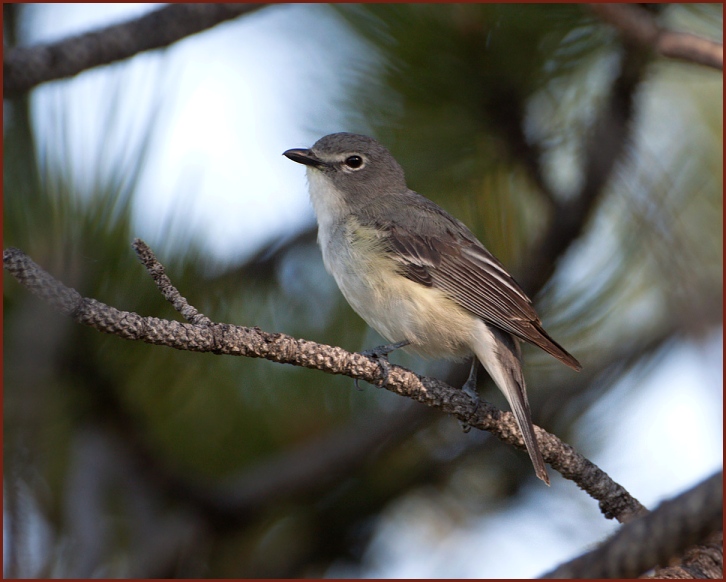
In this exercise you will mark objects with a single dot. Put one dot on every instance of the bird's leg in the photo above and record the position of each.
(380, 353)
(470, 385)
(469, 388)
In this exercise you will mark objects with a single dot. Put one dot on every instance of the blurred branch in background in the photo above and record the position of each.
(665, 533)
(27, 67)
(639, 26)
(603, 148)
(704, 561)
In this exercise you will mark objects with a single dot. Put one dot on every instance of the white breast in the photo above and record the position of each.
(329, 206)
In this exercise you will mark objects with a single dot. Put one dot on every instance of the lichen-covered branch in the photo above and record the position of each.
(221, 338)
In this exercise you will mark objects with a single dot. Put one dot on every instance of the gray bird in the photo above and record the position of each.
(417, 275)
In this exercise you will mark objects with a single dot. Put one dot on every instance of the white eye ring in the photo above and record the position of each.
(354, 162)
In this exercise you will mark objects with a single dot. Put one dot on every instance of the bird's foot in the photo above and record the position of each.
(469, 389)
(380, 353)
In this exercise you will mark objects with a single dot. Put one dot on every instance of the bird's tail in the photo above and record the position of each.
(499, 353)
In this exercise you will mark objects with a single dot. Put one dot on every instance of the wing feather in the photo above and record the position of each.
(460, 265)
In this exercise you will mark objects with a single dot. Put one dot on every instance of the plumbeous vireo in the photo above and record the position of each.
(416, 274)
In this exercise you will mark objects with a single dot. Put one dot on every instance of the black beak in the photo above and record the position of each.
(307, 157)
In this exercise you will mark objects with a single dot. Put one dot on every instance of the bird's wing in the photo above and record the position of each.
(458, 264)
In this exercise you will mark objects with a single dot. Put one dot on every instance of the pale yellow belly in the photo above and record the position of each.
(396, 307)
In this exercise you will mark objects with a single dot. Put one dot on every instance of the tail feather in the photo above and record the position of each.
(517, 398)
(499, 353)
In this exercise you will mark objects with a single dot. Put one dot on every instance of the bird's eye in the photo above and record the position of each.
(354, 162)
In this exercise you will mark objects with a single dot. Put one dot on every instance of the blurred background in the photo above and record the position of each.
(591, 169)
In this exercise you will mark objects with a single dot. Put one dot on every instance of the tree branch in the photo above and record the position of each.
(166, 287)
(638, 26)
(614, 500)
(704, 561)
(653, 539)
(27, 67)
(603, 149)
